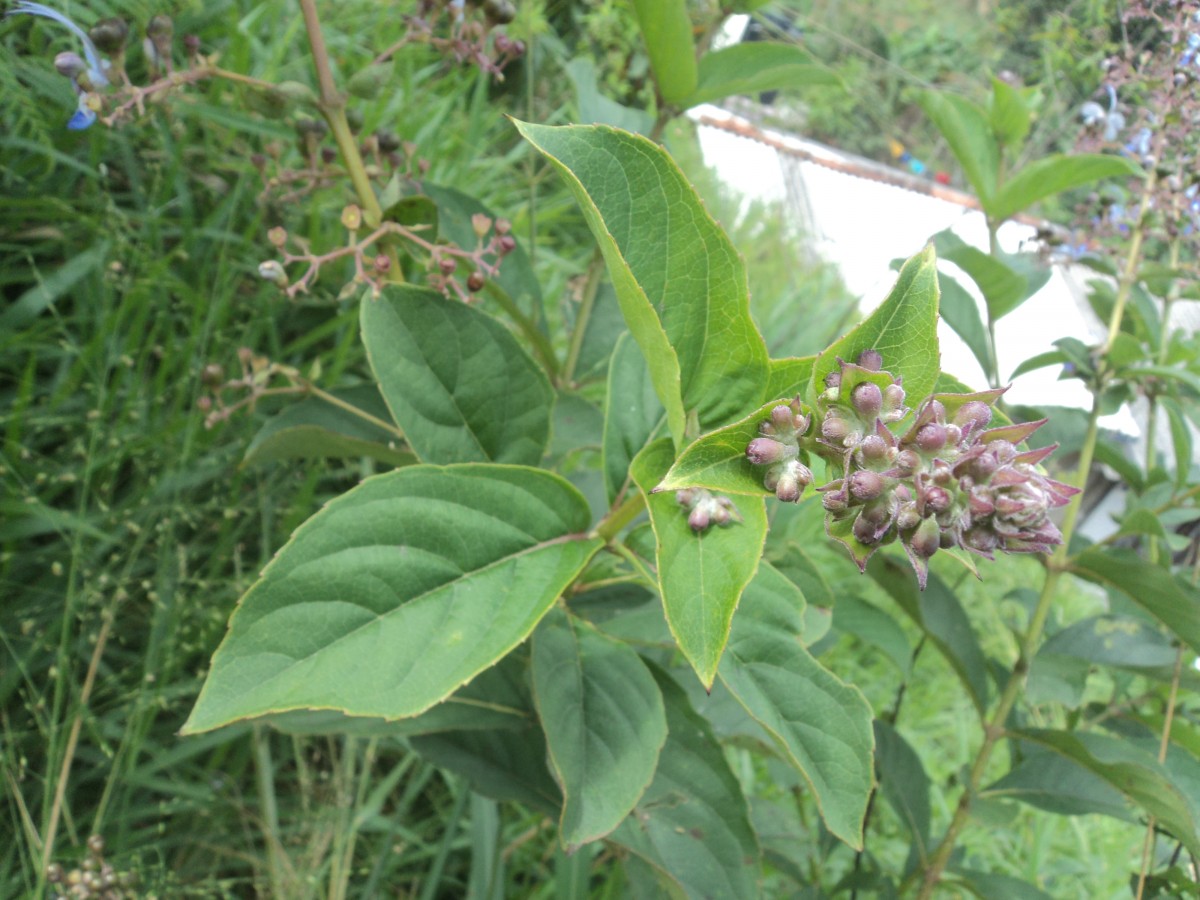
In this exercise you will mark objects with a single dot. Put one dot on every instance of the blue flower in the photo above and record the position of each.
(95, 75)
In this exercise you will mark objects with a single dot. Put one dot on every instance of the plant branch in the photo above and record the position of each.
(1163, 746)
(588, 302)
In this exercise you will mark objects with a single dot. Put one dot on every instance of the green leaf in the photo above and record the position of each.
(904, 784)
(1003, 288)
(1052, 175)
(1009, 115)
(604, 722)
(632, 414)
(1040, 361)
(502, 764)
(868, 623)
(903, 329)
(595, 108)
(604, 327)
(456, 380)
(1181, 439)
(960, 313)
(317, 429)
(966, 129)
(1170, 599)
(1112, 641)
(693, 824)
(937, 611)
(1134, 772)
(701, 576)
(497, 698)
(55, 285)
(681, 284)
(1047, 781)
(820, 724)
(667, 31)
(717, 460)
(397, 592)
(789, 377)
(993, 886)
(748, 68)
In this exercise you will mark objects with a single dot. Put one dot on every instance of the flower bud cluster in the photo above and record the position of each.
(778, 448)
(947, 481)
(706, 509)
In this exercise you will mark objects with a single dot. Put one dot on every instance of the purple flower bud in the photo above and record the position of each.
(833, 380)
(871, 360)
(686, 497)
(907, 517)
(931, 437)
(771, 476)
(1003, 451)
(981, 540)
(764, 451)
(865, 485)
(954, 435)
(974, 415)
(865, 531)
(783, 419)
(873, 448)
(941, 472)
(700, 517)
(893, 397)
(867, 399)
(793, 479)
(979, 501)
(721, 514)
(835, 501)
(834, 428)
(935, 410)
(766, 429)
(70, 64)
(908, 461)
(937, 499)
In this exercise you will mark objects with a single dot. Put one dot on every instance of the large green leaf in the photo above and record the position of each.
(1009, 114)
(820, 724)
(701, 576)
(1003, 288)
(1052, 175)
(397, 592)
(1133, 771)
(717, 460)
(502, 764)
(937, 611)
(317, 429)
(748, 68)
(904, 783)
(789, 377)
(632, 413)
(456, 380)
(604, 722)
(692, 824)
(597, 109)
(667, 30)
(681, 284)
(960, 313)
(1171, 600)
(969, 134)
(1051, 782)
(903, 329)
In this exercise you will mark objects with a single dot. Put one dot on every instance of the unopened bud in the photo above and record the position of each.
(871, 360)
(109, 35)
(506, 244)
(834, 428)
(793, 479)
(931, 437)
(974, 415)
(867, 399)
(388, 141)
(499, 12)
(907, 517)
(277, 236)
(865, 530)
(700, 517)
(873, 448)
(191, 44)
(212, 374)
(833, 379)
(926, 539)
(382, 264)
(273, 271)
(475, 282)
(835, 501)
(503, 226)
(865, 485)
(686, 497)
(70, 64)
(447, 264)
(765, 451)
(908, 461)
(352, 217)
(893, 402)
(937, 499)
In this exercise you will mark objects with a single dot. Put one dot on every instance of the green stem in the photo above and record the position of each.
(993, 361)
(995, 727)
(352, 409)
(621, 516)
(264, 776)
(332, 105)
(588, 302)
(537, 338)
(1163, 746)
